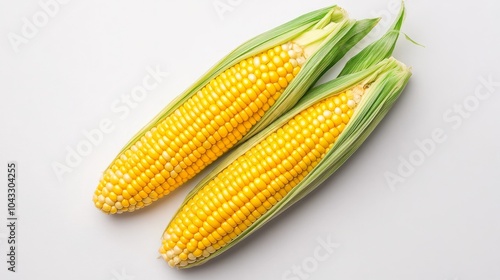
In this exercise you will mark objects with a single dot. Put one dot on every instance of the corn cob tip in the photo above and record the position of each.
(313, 39)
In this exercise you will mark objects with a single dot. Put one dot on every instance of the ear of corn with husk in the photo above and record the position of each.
(239, 96)
(288, 159)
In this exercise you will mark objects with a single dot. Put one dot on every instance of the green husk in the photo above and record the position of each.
(378, 50)
(385, 79)
(332, 50)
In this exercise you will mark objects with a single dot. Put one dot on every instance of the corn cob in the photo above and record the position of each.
(286, 161)
(239, 96)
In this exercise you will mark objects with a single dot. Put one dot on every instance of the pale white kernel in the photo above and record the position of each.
(109, 186)
(100, 198)
(285, 47)
(358, 90)
(118, 205)
(171, 263)
(293, 62)
(173, 174)
(178, 113)
(301, 60)
(177, 260)
(123, 157)
(357, 98)
(321, 118)
(351, 103)
(127, 178)
(183, 263)
(210, 249)
(206, 253)
(338, 111)
(165, 155)
(256, 61)
(109, 201)
(252, 78)
(149, 134)
(166, 236)
(119, 198)
(297, 48)
(147, 200)
(134, 148)
(327, 113)
(177, 250)
(170, 254)
(118, 173)
(191, 256)
(292, 54)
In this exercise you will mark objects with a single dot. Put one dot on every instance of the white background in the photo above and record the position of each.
(441, 223)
